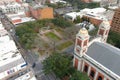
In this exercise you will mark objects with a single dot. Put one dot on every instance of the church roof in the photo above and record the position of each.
(106, 55)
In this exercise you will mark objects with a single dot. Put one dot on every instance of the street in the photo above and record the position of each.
(29, 57)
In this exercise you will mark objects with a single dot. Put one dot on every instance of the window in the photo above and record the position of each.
(79, 42)
(85, 43)
(101, 32)
(86, 68)
(100, 78)
(92, 73)
(76, 63)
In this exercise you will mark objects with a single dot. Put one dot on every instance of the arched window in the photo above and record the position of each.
(92, 73)
(85, 43)
(86, 68)
(79, 42)
(100, 78)
(76, 63)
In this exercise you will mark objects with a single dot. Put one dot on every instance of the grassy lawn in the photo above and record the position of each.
(59, 30)
(52, 36)
(64, 45)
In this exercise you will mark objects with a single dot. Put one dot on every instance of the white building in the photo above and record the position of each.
(97, 13)
(72, 16)
(12, 7)
(3, 1)
(12, 64)
(55, 1)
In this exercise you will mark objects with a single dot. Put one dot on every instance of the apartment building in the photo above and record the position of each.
(11, 7)
(115, 26)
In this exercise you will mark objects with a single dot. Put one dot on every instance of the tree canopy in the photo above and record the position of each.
(114, 39)
(27, 32)
(77, 75)
(78, 19)
(57, 63)
(81, 5)
(61, 65)
(61, 22)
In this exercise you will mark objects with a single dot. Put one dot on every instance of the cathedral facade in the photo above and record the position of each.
(98, 59)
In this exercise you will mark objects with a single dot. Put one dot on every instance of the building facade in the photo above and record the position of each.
(115, 26)
(41, 12)
(95, 57)
(11, 7)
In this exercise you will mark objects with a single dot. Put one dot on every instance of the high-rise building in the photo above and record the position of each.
(115, 26)
(95, 57)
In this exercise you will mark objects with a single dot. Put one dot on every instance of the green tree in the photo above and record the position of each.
(77, 75)
(27, 32)
(77, 20)
(61, 22)
(114, 38)
(61, 65)
(81, 5)
(57, 63)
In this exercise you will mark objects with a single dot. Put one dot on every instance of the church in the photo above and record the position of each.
(98, 59)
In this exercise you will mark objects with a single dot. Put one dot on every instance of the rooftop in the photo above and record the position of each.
(98, 13)
(21, 16)
(106, 55)
(9, 55)
(10, 60)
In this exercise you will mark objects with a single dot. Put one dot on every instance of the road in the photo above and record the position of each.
(30, 58)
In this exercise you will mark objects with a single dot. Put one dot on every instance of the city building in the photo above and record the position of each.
(95, 57)
(6, 1)
(41, 12)
(18, 18)
(95, 15)
(12, 64)
(72, 16)
(115, 26)
(89, 1)
(62, 11)
(53, 1)
(16, 12)
(11, 7)
(20, 1)
(112, 4)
